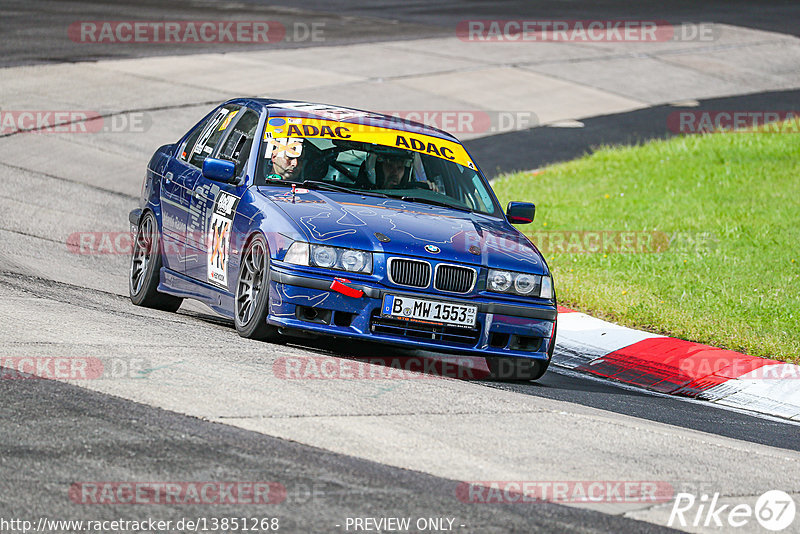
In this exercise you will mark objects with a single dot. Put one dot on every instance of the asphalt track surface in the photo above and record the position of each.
(69, 435)
(34, 32)
(54, 434)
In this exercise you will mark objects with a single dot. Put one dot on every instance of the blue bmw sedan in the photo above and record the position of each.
(299, 217)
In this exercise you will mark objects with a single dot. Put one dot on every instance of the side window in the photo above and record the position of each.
(482, 196)
(189, 144)
(200, 145)
(237, 146)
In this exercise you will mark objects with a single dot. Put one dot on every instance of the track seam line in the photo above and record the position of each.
(31, 235)
(409, 414)
(46, 281)
(169, 107)
(70, 181)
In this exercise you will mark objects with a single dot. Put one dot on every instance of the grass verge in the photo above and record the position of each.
(697, 237)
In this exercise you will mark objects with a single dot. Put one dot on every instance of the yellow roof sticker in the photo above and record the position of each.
(325, 129)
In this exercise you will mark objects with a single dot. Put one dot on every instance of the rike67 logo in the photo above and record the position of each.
(774, 511)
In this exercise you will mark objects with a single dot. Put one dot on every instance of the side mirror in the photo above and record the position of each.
(219, 170)
(521, 212)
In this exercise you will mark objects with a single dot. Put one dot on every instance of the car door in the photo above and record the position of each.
(177, 184)
(180, 176)
(216, 202)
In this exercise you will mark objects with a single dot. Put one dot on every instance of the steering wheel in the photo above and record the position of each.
(344, 170)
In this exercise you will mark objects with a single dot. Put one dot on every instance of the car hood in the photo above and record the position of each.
(413, 229)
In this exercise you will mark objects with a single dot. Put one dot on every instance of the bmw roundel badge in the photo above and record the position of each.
(433, 249)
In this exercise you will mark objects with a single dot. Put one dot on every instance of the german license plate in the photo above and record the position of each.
(429, 311)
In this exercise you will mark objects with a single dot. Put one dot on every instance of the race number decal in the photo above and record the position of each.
(287, 147)
(219, 238)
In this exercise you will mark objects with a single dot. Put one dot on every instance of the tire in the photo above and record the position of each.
(252, 292)
(146, 267)
(516, 369)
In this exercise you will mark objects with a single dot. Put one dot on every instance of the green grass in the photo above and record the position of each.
(730, 206)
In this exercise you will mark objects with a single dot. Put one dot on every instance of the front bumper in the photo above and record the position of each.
(305, 302)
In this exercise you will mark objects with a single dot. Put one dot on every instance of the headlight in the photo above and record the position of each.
(523, 284)
(355, 260)
(343, 259)
(323, 256)
(499, 281)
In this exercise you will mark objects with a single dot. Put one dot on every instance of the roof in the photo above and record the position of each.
(313, 110)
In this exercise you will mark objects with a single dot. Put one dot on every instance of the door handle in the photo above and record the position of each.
(168, 177)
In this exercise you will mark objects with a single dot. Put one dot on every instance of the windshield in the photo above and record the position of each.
(375, 169)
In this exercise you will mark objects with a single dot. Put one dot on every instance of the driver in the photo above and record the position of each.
(287, 159)
(394, 170)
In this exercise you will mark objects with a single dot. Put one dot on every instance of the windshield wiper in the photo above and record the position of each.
(275, 181)
(432, 202)
(339, 188)
(318, 184)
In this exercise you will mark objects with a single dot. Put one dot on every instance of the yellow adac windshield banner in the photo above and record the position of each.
(324, 129)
